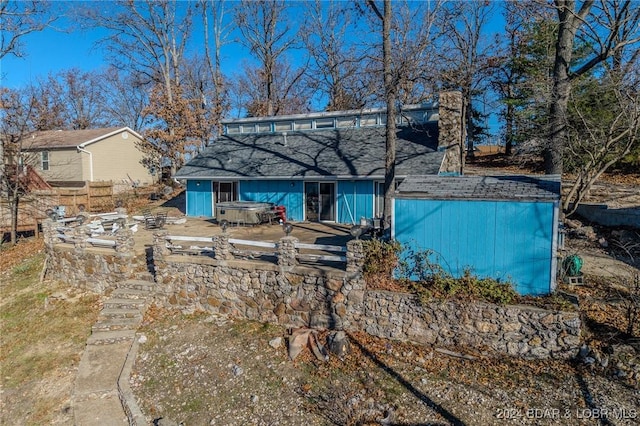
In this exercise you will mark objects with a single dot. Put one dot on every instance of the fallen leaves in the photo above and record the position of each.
(12, 256)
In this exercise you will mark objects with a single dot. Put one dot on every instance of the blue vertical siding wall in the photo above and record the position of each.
(199, 198)
(500, 239)
(288, 193)
(355, 200)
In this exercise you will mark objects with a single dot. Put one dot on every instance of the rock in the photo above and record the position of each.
(276, 342)
(572, 223)
(254, 399)
(237, 370)
(603, 242)
(165, 422)
(298, 341)
(142, 339)
(338, 343)
(584, 351)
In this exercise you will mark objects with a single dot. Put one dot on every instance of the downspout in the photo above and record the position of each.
(81, 149)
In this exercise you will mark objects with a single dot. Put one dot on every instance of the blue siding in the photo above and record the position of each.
(281, 192)
(199, 198)
(499, 239)
(355, 200)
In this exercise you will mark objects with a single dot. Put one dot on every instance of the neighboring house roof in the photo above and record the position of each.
(345, 152)
(57, 139)
(517, 187)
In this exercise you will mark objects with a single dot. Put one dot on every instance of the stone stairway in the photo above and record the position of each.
(96, 398)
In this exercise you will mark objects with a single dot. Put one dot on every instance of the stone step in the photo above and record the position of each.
(122, 303)
(112, 324)
(129, 293)
(107, 337)
(138, 285)
(121, 313)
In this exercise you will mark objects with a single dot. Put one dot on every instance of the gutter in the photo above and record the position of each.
(81, 149)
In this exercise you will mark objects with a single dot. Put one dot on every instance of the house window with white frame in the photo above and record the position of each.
(44, 160)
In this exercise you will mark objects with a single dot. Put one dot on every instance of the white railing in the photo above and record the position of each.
(191, 249)
(321, 247)
(179, 244)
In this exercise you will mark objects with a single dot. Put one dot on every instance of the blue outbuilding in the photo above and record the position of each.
(503, 227)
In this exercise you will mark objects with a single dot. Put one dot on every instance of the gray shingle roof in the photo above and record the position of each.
(518, 187)
(353, 152)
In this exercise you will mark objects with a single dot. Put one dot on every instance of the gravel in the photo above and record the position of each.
(204, 370)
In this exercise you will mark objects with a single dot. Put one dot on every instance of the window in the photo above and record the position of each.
(302, 125)
(248, 128)
(325, 123)
(44, 160)
(346, 122)
(226, 191)
(283, 126)
(233, 128)
(368, 120)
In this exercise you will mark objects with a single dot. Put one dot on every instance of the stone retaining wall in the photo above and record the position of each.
(95, 269)
(523, 331)
(291, 294)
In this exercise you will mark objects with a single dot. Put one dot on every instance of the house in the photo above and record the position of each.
(326, 166)
(501, 227)
(72, 157)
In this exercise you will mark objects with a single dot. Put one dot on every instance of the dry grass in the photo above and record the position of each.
(44, 327)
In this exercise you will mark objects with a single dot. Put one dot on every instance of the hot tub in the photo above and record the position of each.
(243, 212)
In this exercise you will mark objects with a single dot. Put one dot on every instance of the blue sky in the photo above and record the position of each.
(59, 48)
(50, 51)
(54, 50)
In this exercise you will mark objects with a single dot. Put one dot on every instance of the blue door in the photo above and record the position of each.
(199, 198)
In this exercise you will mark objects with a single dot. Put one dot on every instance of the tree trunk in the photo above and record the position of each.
(390, 92)
(568, 23)
(15, 203)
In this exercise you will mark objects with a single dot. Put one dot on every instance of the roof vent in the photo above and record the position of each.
(284, 138)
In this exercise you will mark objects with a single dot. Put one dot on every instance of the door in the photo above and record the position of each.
(199, 198)
(320, 201)
(227, 191)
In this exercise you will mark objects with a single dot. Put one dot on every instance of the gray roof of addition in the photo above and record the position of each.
(338, 153)
(516, 187)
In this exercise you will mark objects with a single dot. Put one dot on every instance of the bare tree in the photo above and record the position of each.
(126, 98)
(266, 33)
(20, 18)
(404, 49)
(291, 97)
(153, 49)
(391, 86)
(466, 54)
(15, 111)
(606, 27)
(604, 127)
(220, 31)
(337, 71)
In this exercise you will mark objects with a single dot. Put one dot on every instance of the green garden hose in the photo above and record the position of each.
(571, 265)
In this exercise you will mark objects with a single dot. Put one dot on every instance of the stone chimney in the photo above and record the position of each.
(451, 132)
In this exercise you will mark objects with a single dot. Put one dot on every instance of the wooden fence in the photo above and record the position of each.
(96, 197)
